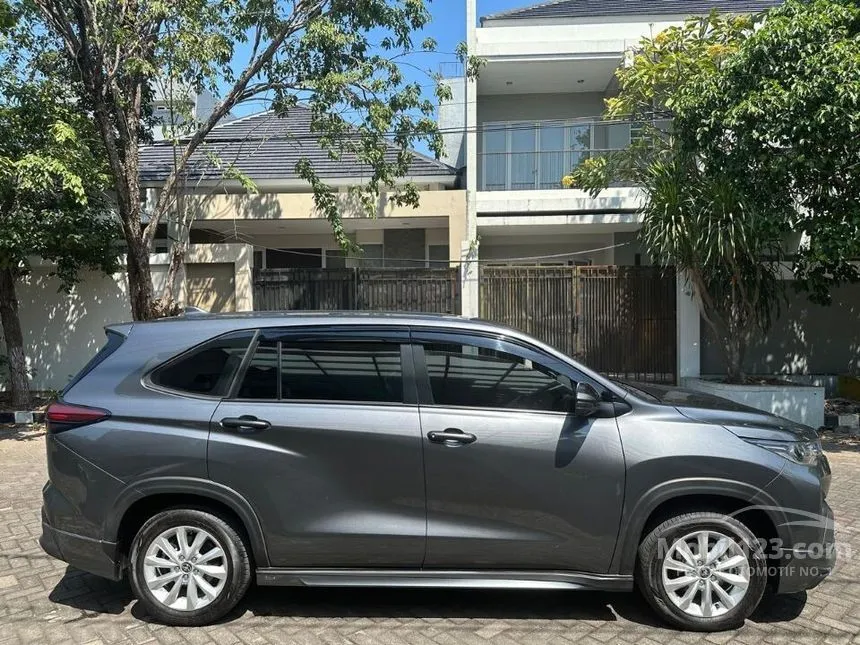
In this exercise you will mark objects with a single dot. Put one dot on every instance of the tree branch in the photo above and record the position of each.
(225, 105)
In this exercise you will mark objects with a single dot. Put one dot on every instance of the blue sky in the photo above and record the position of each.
(448, 28)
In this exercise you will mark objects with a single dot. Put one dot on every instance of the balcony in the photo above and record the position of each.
(535, 155)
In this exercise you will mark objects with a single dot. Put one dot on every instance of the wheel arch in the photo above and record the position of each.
(701, 494)
(146, 498)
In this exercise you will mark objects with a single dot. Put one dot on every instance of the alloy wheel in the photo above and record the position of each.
(706, 573)
(185, 568)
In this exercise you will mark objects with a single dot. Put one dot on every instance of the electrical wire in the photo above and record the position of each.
(248, 240)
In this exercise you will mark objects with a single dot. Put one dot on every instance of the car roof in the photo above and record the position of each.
(324, 318)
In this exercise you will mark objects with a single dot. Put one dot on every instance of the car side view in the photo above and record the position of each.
(194, 455)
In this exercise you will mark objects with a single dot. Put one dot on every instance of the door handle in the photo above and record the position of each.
(245, 422)
(451, 436)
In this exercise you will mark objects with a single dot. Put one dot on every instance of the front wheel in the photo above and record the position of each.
(188, 567)
(702, 571)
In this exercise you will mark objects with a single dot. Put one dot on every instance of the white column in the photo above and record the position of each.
(688, 328)
(469, 272)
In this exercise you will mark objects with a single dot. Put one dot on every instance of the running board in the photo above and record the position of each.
(440, 578)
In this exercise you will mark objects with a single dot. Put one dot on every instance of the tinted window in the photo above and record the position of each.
(324, 370)
(207, 369)
(469, 376)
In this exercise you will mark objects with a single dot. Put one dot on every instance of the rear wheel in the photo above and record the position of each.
(702, 571)
(188, 567)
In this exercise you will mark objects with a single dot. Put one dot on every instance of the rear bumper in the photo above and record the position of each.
(805, 566)
(94, 556)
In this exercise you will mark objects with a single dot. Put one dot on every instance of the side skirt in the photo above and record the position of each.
(440, 578)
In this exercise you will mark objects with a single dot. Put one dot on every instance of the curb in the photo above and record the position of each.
(22, 417)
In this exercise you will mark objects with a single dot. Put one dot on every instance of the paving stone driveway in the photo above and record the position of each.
(42, 601)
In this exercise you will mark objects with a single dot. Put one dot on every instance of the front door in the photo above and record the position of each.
(514, 480)
(321, 435)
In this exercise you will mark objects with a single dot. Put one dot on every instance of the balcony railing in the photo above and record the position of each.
(535, 155)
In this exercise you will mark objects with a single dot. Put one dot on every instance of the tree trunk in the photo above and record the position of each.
(734, 345)
(172, 284)
(139, 278)
(19, 386)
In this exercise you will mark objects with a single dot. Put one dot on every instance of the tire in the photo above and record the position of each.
(180, 582)
(665, 584)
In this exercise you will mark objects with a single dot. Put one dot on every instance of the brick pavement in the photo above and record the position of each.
(42, 601)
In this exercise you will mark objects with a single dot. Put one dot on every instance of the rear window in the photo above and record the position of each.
(114, 340)
(207, 369)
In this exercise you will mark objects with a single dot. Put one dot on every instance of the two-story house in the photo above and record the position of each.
(535, 111)
(532, 114)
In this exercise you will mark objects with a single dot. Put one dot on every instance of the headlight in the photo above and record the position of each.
(800, 452)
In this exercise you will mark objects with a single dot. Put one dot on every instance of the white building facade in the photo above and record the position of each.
(533, 113)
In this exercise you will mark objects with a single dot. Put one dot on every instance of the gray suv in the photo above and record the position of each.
(199, 453)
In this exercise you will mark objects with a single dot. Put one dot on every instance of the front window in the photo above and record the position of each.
(528, 155)
(480, 377)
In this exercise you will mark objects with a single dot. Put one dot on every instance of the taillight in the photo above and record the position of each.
(63, 416)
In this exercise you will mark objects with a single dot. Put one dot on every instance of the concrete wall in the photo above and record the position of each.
(805, 339)
(539, 107)
(286, 206)
(802, 404)
(451, 116)
(582, 36)
(63, 331)
(626, 255)
(450, 204)
(498, 248)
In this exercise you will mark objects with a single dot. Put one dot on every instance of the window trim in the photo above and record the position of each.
(500, 343)
(148, 383)
(399, 336)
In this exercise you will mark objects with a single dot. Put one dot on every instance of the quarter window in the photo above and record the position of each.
(208, 369)
(469, 376)
(324, 370)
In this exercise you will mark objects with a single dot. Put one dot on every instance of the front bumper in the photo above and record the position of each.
(805, 566)
(94, 556)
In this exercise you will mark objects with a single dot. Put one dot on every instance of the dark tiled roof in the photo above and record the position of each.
(265, 146)
(589, 8)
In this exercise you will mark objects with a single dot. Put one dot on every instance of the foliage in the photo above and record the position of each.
(785, 108)
(52, 189)
(762, 151)
(53, 203)
(340, 57)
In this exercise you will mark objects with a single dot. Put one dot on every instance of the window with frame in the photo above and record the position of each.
(470, 376)
(208, 369)
(324, 370)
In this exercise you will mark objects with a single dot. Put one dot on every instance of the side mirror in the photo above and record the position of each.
(587, 400)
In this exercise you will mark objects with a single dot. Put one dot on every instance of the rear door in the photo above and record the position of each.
(514, 480)
(321, 434)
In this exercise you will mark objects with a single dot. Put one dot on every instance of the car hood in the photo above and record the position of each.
(740, 419)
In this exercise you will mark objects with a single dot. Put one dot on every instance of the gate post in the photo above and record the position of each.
(470, 278)
(687, 328)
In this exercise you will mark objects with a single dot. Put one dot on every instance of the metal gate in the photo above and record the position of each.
(427, 290)
(617, 320)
